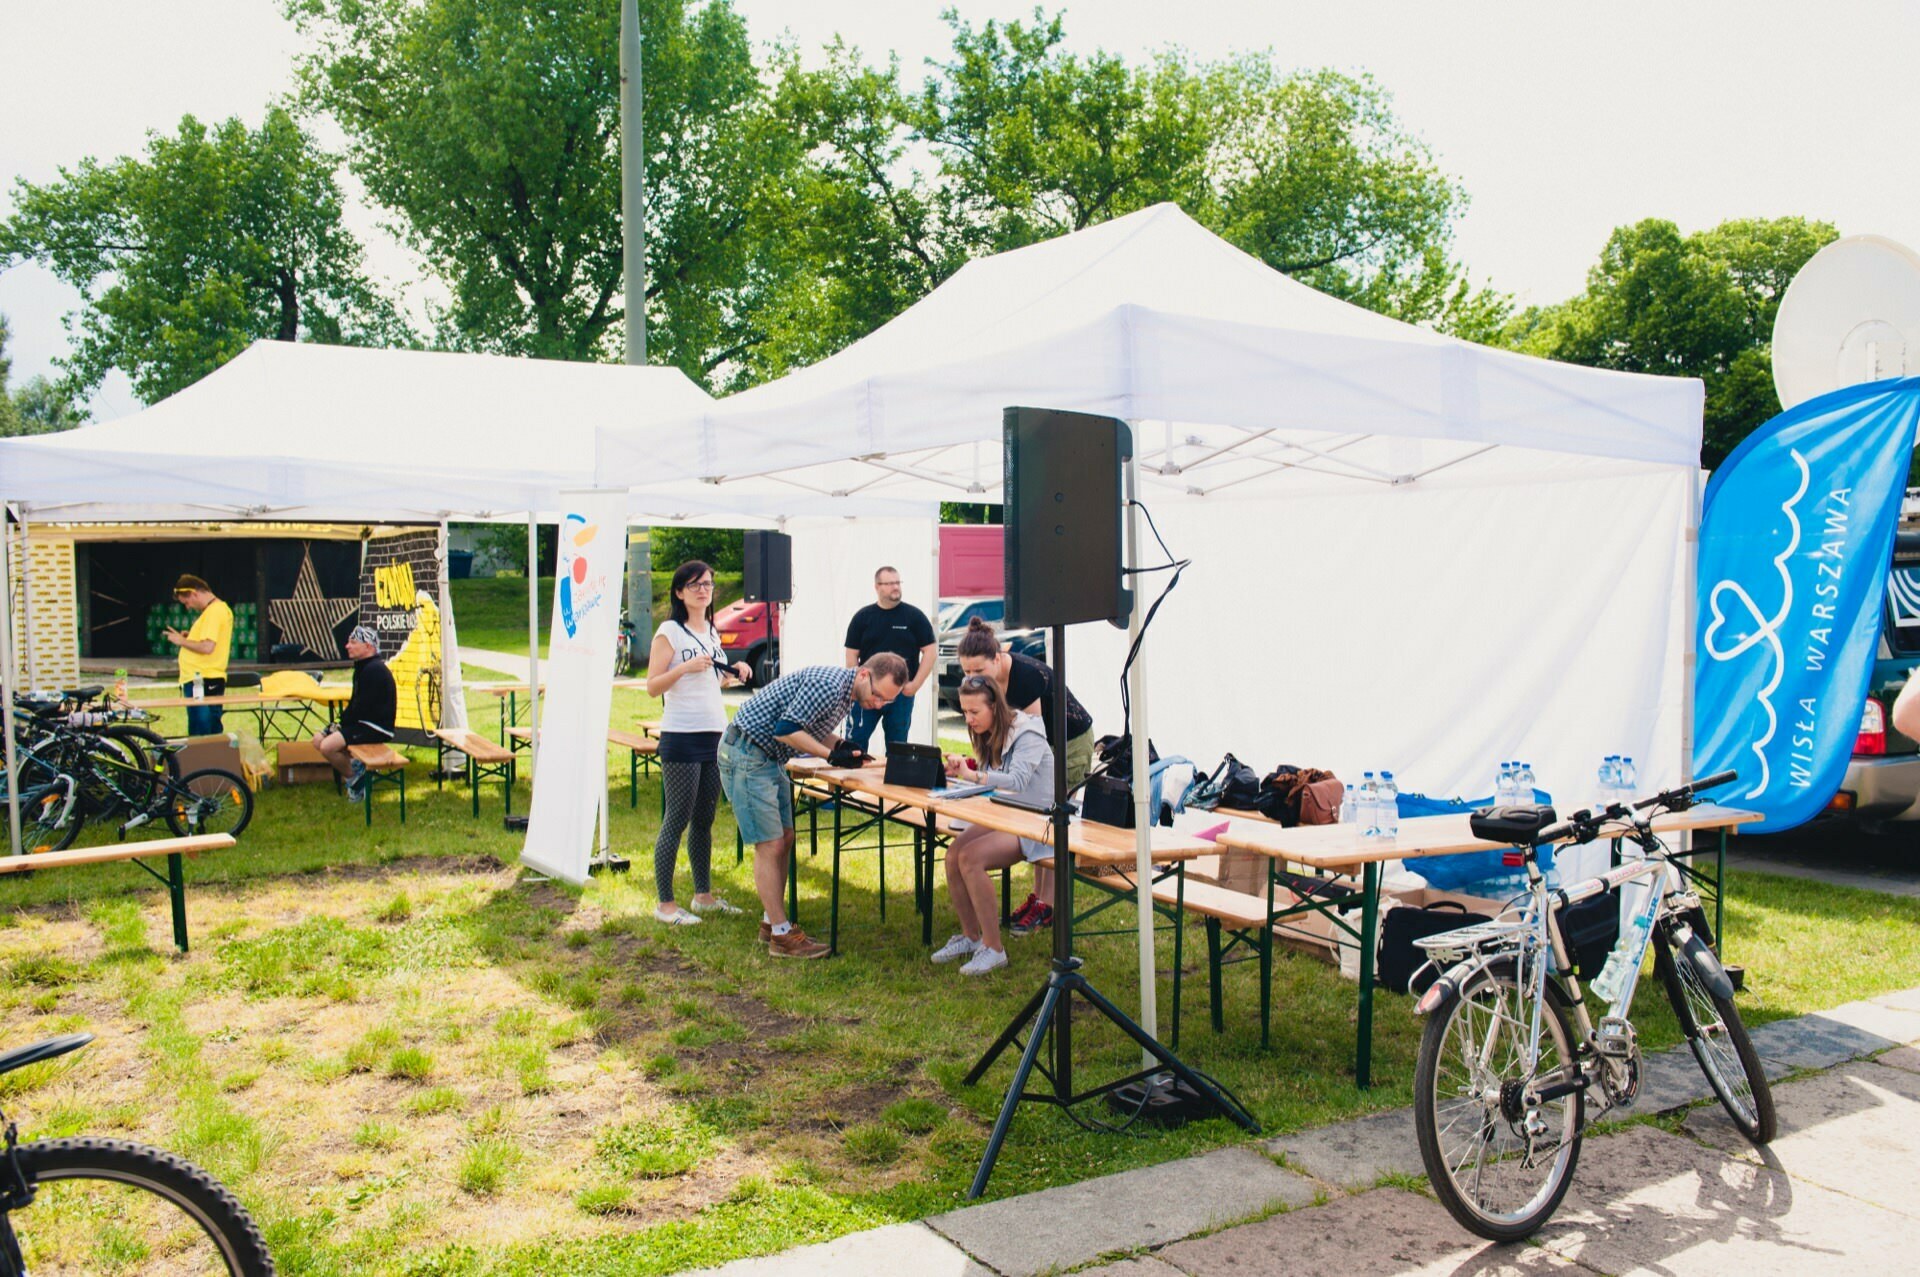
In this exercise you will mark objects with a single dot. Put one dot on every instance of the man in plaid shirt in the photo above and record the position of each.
(798, 713)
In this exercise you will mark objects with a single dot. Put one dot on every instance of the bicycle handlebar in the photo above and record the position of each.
(1584, 826)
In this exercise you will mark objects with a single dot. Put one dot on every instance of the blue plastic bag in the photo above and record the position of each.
(1477, 873)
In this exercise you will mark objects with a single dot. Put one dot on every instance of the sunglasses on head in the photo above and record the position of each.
(976, 683)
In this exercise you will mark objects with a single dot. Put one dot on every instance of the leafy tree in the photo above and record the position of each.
(722, 549)
(491, 130)
(9, 415)
(1699, 305)
(1015, 139)
(37, 407)
(217, 238)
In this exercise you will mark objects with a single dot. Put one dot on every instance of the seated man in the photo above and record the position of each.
(368, 717)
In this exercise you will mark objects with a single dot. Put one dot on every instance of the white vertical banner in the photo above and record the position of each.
(570, 779)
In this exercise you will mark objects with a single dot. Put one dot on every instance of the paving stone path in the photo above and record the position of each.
(1836, 1192)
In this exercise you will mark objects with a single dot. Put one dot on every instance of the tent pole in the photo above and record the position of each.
(1690, 606)
(533, 636)
(1142, 772)
(26, 597)
(12, 686)
(933, 679)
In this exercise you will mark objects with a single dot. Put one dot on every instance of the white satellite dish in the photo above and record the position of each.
(1851, 315)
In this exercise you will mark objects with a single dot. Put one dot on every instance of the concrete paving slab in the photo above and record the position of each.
(897, 1248)
(1070, 1225)
(1894, 1024)
(1136, 1267)
(1901, 1057)
(1853, 1130)
(1812, 1042)
(1354, 1154)
(1644, 1201)
(1386, 1231)
(1904, 1000)
(1668, 1080)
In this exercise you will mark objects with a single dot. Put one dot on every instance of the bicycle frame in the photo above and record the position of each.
(1530, 936)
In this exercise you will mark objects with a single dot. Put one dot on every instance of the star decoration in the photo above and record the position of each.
(308, 617)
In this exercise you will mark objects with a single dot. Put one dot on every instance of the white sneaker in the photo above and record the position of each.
(719, 905)
(985, 960)
(678, 918)
(955, 949)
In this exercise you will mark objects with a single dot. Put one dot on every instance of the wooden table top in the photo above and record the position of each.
(515, 689)
(326, 693)
(1090, 842)
(1341, 846)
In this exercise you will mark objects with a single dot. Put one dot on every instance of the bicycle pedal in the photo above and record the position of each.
(1614, 1038)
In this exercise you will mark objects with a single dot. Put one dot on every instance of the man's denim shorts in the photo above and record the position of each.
(758, 789)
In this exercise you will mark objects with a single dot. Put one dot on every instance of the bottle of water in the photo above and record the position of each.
(1349, 813)
(1503, 792)
(1369, 807)
(1523, 783)
(1629, 780)
(1613, 977)
(1389, 807)
(1603, 785)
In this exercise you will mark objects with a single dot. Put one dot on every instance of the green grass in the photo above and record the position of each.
(827, 1097)
(492, 612)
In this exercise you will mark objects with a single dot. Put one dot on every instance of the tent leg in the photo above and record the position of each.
(533, 636)
(1143, 815)
(11, 684)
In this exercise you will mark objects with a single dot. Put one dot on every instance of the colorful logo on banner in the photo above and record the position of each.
(1795, 544)
(399, 591)
(582, 589)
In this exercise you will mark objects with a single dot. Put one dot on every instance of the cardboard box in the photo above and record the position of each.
(300, 762)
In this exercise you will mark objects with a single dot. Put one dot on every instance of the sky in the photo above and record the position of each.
(1560, 120)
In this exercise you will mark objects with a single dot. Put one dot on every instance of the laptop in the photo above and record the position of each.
(915, 766)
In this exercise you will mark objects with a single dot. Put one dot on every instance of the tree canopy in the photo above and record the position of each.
(1699, 305)
(217, 238)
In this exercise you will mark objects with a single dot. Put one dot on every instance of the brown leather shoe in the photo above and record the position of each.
(795, 944)
(766, 931)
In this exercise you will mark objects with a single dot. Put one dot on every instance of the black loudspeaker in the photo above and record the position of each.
(768, 574)
(1063, 507)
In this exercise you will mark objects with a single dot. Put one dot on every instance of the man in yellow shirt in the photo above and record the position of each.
(203, 651)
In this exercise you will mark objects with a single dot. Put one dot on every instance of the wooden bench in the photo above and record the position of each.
(641, 751)
(486, 760)
(174, 849)
(385, 766)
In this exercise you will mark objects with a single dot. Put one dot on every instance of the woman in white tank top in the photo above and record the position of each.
(686, 667)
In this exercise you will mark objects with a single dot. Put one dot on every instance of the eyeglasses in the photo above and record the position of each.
(698, 585)
(895, 581)
(976, 683)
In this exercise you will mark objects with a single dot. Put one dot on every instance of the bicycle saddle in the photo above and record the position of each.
(19, 1059)
(83, 694)
(1516, 824)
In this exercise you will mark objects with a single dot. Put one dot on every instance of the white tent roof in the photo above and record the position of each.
(1152, 318)
(317, 432)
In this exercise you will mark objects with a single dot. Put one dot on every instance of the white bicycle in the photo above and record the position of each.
(1512, 1066)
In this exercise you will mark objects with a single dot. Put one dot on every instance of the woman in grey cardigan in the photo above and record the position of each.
(1012, 756)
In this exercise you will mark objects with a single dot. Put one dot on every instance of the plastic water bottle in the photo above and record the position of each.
(119, 685)
(1523, 783)
(1603, 784)
(199, 687)
(1629, 780)
(1613, 977)
(1349, 813)
(1503, 787)
(1369, 807)
(1389, 807)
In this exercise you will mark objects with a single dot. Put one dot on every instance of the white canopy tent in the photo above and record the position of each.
(1409, 551)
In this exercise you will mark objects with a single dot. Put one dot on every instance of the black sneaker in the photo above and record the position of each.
(1027, 906)
(1038, 918)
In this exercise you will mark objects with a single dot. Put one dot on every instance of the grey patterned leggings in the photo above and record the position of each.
(692, 797)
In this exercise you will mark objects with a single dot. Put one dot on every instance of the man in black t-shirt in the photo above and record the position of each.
(369, 716)
(888, 625)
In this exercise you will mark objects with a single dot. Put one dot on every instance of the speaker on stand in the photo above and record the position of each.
(1064, 531)
(767, 577)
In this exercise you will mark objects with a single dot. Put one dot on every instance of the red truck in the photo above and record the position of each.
(970, 565)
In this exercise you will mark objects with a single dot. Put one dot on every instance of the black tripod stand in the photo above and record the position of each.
(1051, 1008)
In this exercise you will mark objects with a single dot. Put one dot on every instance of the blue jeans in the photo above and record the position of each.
(894, 721)
(757, 788)
(204, 720)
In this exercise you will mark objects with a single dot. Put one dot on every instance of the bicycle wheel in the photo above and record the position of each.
(1499, 1165)
(48, 821)
(1720, 1043)
(106, 1206)
(209, 801)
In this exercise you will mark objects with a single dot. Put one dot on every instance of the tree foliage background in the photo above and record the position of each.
(795, 203)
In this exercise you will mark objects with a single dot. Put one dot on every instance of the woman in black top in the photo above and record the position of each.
(1028, 685)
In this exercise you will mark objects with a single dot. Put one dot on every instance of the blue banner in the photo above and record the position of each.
(1795, 542)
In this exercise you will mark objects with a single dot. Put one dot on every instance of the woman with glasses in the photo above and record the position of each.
(686, 668)
(1010, 753)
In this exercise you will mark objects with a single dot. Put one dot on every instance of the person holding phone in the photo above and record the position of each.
(686, 668)
(1011, 754)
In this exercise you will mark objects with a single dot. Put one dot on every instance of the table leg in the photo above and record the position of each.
(1266, 960)
(177, 890)
(833, 892)
(473, 784)
(1179, 942)
(1369, 922)
(883, 865)
(1720, 894)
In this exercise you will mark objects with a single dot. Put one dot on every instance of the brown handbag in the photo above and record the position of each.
(1320, 801)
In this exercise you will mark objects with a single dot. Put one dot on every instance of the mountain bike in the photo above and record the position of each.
(1511, 1059)
(93, 1205)
(105, 784)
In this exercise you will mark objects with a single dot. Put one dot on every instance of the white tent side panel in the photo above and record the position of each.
(1430, 632)
(834, 560)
